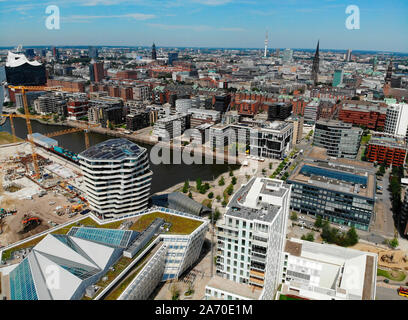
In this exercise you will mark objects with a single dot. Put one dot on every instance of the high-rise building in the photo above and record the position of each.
(266, 45)
(279, 111)
(117, 177)
(172, 56)
(154, 53)
(348, 55)
(337, 78)
(396, 122)
(93, 52)
(287, 56)
(99, 71)
(316, 67)
(388, 75)
(251, 239)
(341, 140)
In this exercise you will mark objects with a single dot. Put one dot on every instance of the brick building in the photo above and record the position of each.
(361, 113)
(387, 150)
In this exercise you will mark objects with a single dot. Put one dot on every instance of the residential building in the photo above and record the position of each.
(341, 140)
(364, 114)
(390, 151)
(117, 177)
(298, 122)
(77, 108)
(137, 121)
(396, 122)
(170, 127)
(316, 271)
(250, 238)
(30, 95)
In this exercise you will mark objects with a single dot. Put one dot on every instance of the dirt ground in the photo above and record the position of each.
(399, 260)
(38, 207)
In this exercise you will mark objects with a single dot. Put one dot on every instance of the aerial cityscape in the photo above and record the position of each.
(203, 150)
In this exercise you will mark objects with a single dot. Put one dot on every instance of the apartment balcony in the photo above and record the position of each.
(256, 281)
(257, 274)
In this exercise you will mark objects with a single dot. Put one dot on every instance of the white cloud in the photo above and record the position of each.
(136, 16)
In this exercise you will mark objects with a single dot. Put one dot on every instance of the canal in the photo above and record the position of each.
(164, 175)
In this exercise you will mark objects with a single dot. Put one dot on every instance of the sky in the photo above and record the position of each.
(208, 23)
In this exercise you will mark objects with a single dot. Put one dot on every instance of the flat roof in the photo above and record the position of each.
(251, 200)
(337, 177)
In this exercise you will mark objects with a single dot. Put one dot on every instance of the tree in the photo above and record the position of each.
(319, 222)
(393, 243)
(190, 195)
(308, 237)
(217, 215)
(198, 184)
(218, 198)
(351, 237)
(210, 195)
(294, 216)
(186, 187)
(221, 182)
(234, 181)
(230, 189)
(231, 173)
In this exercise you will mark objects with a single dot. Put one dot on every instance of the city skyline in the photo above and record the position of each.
(207, 23)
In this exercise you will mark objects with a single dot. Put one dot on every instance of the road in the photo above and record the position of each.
(386, 293)
(384, 227)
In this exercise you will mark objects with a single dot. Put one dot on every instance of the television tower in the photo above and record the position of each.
(266, 45)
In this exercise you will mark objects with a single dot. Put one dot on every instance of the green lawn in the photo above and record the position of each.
(365, 139)
(391, 275)
(179, 225)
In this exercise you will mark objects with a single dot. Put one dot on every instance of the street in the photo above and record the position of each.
(388, 293)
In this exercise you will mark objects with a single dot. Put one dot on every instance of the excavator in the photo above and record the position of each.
(29, 223)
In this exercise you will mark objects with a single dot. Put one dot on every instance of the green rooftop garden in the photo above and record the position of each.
(179, 225)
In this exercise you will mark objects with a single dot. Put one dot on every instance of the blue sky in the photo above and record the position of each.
(208, 23)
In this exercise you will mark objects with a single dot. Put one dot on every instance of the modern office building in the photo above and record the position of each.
(272, 140)
(311, 112)
(390, 151)
(279, 111)
(203, 116)
(341, 140)
(76, 260)
(340, 191)
(396, 122)
(316, 271)
(117, 177)
(171, 242)
(251, 237)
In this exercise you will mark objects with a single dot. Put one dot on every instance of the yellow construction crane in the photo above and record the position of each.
(11, 116)
(27, 116)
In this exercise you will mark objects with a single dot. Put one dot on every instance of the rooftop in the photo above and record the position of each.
(115, 149)
(336, 176)
(259, 199)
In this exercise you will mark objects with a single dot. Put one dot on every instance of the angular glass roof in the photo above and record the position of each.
(109, 237)
(21, 283)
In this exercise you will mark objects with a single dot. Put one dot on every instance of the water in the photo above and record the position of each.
(164, 175)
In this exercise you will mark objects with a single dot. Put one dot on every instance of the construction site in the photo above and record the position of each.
(30, 204)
